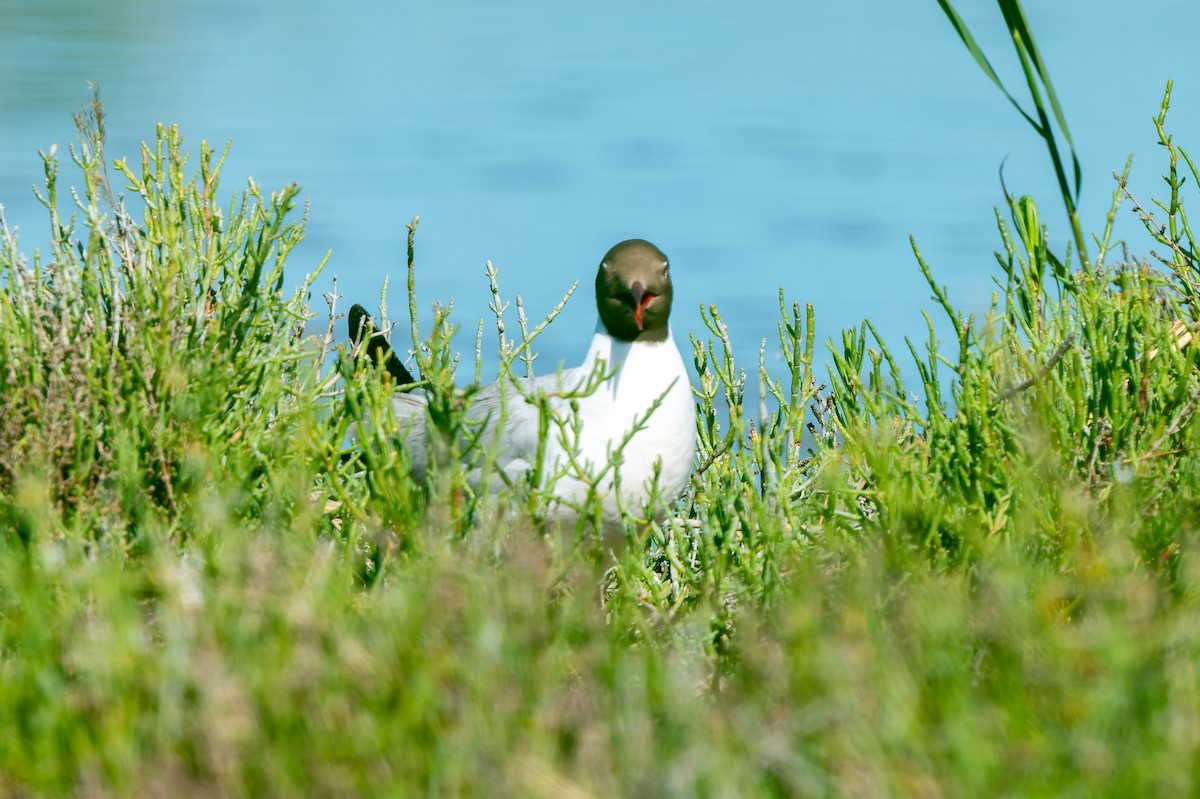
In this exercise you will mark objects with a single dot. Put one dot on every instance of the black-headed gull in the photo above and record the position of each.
(645, 386)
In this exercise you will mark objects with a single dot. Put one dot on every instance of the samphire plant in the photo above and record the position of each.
(978, 582)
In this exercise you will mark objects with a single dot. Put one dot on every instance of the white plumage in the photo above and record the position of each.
(636, 354)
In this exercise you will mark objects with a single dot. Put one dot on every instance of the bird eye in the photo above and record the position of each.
(666, 266)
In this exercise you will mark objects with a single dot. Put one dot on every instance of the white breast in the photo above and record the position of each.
(641, 374)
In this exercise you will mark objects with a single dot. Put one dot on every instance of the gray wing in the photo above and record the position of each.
(509, 421)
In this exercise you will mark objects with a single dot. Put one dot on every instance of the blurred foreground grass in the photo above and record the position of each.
(982, 584)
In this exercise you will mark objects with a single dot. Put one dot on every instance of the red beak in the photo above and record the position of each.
(641, 298)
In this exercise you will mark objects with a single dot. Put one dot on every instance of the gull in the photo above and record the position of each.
(624, 420)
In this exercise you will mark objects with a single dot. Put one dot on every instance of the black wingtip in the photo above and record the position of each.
(378, 348)
(357, 319)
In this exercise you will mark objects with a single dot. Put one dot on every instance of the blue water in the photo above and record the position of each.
(793, 144)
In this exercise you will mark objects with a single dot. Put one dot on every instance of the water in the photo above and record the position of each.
(793, 144)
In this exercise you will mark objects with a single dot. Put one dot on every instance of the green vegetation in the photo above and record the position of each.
(983, 584)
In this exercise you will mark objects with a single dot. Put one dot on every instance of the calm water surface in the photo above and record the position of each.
(793, 144)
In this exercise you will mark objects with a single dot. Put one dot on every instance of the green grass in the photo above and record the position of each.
(983, 583)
